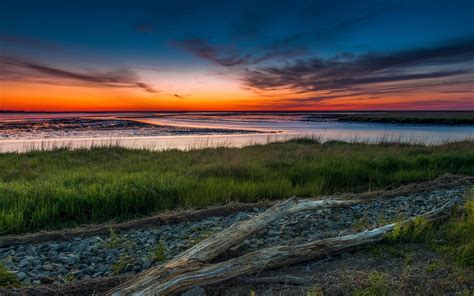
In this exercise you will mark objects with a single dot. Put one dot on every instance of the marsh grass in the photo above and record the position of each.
(123, 264)
(158, 253)
(62, 188)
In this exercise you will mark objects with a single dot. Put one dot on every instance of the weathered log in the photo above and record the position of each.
(195, 257)
(219, 243)
(269, 258)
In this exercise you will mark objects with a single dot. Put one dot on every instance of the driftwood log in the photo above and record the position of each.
(210, 248)
(192, 268)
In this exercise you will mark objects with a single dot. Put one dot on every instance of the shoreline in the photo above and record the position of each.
(87, 128)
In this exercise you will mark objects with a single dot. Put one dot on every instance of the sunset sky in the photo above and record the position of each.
(236, 55)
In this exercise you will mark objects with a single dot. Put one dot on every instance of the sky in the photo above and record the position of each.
(236, 55)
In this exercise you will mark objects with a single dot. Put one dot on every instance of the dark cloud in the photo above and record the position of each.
(178, 96)
(223, 56)
(16, 68)
(146, 87)
(227, 56)
(347, 72)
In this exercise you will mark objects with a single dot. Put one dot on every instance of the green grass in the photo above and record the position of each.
(123, 264)
(158, 253)
(375, 284)
(454, 238)
(451, 239)
(47, 190)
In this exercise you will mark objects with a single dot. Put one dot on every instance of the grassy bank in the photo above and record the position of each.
(41, 190)
(454, 238)
(449, 118)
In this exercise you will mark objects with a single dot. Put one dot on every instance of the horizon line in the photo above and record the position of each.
(216, 111)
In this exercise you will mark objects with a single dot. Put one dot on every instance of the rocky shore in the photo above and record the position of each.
(132, 251)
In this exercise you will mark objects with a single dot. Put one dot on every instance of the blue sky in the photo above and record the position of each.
(231, 39)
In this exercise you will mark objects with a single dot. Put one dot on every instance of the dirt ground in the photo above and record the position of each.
(402, 269)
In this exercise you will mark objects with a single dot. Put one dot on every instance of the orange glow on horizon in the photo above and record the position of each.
(205, 95)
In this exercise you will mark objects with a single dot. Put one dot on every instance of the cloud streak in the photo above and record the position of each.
(13, 68)
(346, 75)
(227, 56)
(223, 56)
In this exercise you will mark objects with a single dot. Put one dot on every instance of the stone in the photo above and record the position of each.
(23, 263)
(26, 281)
(137, 268)
(21, 275)
(55, 247)
(146, 264)
(101, 268)
(195, 291)
(71, 258)
(47, 280)
(43, 248)
(9, 253)
(77, 273)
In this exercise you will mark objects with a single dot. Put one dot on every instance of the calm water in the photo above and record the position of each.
(272, 127)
